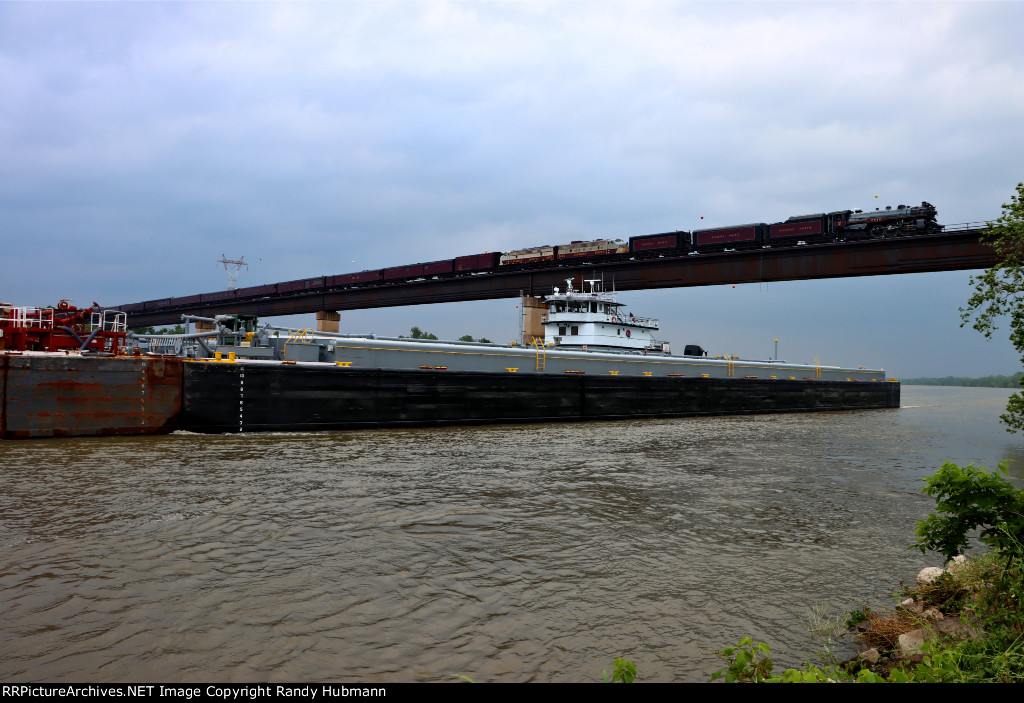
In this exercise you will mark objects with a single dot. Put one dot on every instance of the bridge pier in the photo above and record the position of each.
(328, 321)
(533, 319)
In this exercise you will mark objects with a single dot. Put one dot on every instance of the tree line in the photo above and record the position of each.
(1013, 381)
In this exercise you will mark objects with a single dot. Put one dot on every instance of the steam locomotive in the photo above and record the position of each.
(837, 226)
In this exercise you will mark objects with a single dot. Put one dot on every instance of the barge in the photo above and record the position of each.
(590, 360)
(68, 372)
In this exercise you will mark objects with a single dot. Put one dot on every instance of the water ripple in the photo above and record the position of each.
(507, 553)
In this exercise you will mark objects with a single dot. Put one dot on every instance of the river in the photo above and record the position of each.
(502, 553)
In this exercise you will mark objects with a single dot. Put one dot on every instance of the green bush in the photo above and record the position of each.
(972, 498)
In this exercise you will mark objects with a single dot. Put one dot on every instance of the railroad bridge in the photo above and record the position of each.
(958, 247)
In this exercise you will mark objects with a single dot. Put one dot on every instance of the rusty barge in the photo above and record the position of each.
(66, 372)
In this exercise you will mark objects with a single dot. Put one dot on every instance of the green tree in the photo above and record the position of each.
(999, 292)
(177, 329)
(417, 333)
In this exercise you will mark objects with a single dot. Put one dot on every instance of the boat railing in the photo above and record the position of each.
(31, 317)
(110, 321)
(598, 317)
(643, 321)
(165, 346)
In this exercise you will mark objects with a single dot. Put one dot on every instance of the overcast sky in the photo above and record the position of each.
(141, 141)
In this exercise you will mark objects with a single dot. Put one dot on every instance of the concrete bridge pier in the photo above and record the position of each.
(534, 313)
(328, 321)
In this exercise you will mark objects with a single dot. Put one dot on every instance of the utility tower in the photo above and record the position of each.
(232, 267)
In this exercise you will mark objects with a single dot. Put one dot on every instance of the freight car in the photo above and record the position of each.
(477, 263)
(302, 285)
(255, 291)
(351, 279)
(835, 226)
(214, 297)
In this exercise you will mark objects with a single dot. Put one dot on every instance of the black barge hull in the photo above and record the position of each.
(230, 397)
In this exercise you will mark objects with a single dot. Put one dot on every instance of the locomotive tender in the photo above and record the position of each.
(836, 226)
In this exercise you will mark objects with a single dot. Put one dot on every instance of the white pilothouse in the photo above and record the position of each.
(593, 320)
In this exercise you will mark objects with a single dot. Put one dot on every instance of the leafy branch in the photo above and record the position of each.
(999, 291)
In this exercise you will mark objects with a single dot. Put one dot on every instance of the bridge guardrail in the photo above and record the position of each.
(963, 226)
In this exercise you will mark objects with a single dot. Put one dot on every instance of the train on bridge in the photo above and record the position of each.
(837, 226)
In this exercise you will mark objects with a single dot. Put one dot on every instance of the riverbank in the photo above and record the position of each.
(942, 618)
(960, 624)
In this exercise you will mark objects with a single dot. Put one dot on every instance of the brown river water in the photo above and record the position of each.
(502, 553)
